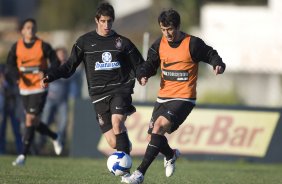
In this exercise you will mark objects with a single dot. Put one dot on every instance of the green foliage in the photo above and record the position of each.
(241, 2)
(70, 14)
(223, 98)
(66, 14)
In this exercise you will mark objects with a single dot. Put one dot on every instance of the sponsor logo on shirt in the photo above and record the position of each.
(107, 64)
(175, 75)
(118, 43)
(170, 64)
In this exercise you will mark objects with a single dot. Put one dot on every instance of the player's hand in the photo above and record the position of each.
(218, 70)
(44, 82)
(143, 81)
(41, 75)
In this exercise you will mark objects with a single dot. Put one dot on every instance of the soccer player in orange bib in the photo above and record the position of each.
(178, 54)
(27, 63)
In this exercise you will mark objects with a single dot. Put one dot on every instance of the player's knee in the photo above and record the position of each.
(161, 126)
(30, 120)
(158, 129)
(117, 125)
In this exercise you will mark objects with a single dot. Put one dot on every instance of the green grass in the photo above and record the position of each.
(63, 170)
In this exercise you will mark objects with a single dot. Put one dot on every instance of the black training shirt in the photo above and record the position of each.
(110, 64)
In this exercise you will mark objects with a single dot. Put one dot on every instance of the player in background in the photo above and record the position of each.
(27, 63)
(110, 61)
(56, 106)
(178, 55)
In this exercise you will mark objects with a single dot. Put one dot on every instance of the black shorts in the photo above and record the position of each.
(34, 103)
(112, 105)
(175, 111)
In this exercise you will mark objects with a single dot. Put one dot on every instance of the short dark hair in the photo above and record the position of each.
(169, 18)
(105, 9)
(25, 21)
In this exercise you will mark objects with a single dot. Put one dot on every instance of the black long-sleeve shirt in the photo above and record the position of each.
(110, 64)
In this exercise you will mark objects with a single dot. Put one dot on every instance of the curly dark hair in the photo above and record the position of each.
(169, 18)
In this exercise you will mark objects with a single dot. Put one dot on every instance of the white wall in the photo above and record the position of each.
(126, 7)
(248, 37)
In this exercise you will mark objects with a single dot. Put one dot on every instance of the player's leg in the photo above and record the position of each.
(176, 113)
(37, 102)
(161, 126)
(111, 138)
(27, 136)
(47, 117)
(119, 129)
(121, 107)
(157, 143)
(103, 116)
(151, 153)
(152, 150)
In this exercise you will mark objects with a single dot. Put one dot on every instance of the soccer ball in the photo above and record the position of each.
(119, 163)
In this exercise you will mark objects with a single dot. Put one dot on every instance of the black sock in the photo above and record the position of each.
(166, 149)
(27, 139)
(152, 151)
(122, 142)
(44, 130)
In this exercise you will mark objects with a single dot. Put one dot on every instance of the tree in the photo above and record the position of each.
(241, 2)
(65, 14)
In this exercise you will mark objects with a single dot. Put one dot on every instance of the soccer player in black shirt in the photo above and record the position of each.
(111, 61)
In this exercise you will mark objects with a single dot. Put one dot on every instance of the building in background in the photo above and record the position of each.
(250, 41)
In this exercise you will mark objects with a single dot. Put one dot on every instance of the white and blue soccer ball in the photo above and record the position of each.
(119, 163)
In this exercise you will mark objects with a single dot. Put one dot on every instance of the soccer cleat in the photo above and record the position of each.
(170, 164)
(20, 160)
(58, 145)
(123, 178)
(136, 178)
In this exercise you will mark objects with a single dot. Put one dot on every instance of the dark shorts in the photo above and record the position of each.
(175, 111)
(112, 105)
(34, 103)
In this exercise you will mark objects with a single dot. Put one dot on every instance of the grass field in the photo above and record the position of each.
(63, 170)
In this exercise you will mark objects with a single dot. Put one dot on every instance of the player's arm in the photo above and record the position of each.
(12, 72)
(67, 69)
(202, 52)
(50, 54)
(150, 66)
(133, 56)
